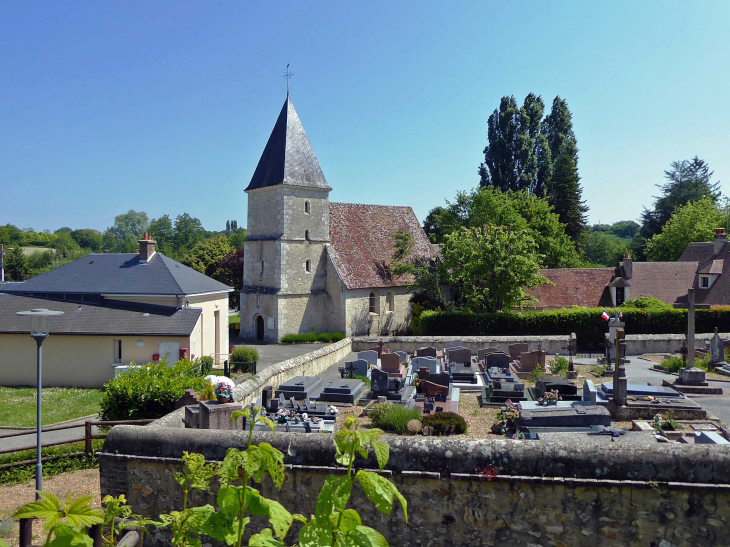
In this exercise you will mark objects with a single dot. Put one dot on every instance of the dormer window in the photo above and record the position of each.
(704, 281)
(306, 207)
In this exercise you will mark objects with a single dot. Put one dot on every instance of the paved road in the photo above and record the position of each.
(270, 354)
(27, 441)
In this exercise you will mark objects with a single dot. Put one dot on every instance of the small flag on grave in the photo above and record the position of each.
(605, 315)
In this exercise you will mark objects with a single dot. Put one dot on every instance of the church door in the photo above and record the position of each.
(259, 328)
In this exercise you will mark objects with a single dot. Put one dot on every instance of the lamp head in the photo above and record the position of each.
(39, 321)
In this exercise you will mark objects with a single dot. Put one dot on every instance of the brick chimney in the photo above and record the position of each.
(146, 248)
(720, 240)
(627, 266)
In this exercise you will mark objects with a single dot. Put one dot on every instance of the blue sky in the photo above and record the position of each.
(166, 107)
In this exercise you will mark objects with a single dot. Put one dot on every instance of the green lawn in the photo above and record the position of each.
(18, 405)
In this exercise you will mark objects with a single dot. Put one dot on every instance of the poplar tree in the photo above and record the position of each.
(565, 196)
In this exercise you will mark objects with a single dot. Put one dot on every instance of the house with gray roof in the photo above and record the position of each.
(117, 309)
(314, 265)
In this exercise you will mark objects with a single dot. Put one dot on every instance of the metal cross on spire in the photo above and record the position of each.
(288, 76)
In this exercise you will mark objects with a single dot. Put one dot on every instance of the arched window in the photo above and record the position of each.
(389, 302)
(306, 235)
(374, 303)
(306, 207)
(308, 266)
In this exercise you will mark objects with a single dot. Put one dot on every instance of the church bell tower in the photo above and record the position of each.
(284, 265)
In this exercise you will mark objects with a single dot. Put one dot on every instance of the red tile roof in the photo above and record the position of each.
(574, 287)
(361, 242)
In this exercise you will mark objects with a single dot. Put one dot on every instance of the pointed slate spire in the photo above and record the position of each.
(288, 157)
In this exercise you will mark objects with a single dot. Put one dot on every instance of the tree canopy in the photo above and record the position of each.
(687, 180)
(690, 223)
(518, 210)
(490, 266)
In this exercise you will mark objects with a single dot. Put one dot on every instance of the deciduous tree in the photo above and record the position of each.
(491, 266)
(693, 222)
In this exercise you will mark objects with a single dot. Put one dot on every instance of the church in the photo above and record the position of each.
(314, 265)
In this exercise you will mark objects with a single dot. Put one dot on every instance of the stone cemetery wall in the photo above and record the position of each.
(546, 493)
(310, 364)
(551, 344)
(637, 344)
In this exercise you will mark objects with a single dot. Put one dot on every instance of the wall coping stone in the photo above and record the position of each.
(470, 339)
(261, 379)
(648, 461)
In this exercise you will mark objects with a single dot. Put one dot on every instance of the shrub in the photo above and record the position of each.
(206, 365)
(536, 374)
(150, 391)
(244, 354)
(559, 365)
(365, 379)
(415, 426)
(673, 364)
(393, 417)
(445, 423)
(646, 303)
(311, 337)
(586, 323)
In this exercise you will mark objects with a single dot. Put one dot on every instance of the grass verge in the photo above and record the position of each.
(23, 473)
(18, 408)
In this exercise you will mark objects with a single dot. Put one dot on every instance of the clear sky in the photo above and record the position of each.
(166, 107)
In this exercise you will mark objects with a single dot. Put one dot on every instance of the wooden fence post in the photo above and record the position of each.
(87, 439)
(26, 532)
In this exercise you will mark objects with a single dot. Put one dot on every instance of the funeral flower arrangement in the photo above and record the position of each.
(506, 418)
(223, 391)
(550, 398)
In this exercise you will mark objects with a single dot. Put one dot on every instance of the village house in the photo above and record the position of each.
(313, 265)
(704, 266)
(118, 308)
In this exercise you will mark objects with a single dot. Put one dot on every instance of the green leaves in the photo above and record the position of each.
(381, 492)
(76, 512)
(264, 539)
(334, 495)
(66, 536)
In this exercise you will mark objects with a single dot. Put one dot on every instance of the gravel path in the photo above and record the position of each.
(76, 483)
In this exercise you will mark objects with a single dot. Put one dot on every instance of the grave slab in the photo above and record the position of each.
(300, 387)
(574, 416)
(342, 391)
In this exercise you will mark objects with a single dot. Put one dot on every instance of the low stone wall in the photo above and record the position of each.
(310, 364)
(546, 493)
(550, 344)
(638, 344)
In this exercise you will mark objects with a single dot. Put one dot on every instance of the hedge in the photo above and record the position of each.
(586, 323)
(310, 337)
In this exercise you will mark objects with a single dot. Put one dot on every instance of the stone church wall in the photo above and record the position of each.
(360, 321)
(295, 278)
(302, 313)
(295, 218)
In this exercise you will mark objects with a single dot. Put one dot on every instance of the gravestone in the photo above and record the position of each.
(266, 395)
(300, 387)
(717, 351)
(710, 437)
(460, 356)
(590, 392)
(358, 367)
(393, 389)
(390, 363)
(482, 353)
(497, 360)
(442, 378)
(402, 355)
(463, 373)
(431, 363)
(528, 361)
(432, 389)
(427, 351)
(424, 373)
(342, 391)
(516, 349)
(370, 356)
(449, 351)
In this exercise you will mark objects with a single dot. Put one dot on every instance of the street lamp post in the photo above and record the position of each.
(39, 331)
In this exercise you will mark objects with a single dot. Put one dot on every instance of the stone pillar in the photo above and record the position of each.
(620, 387)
